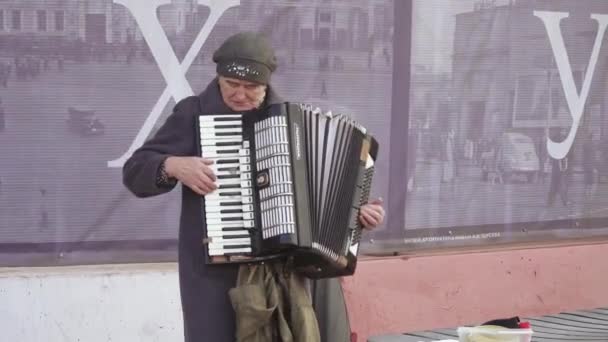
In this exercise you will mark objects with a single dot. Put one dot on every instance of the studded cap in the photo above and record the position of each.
(247, 56)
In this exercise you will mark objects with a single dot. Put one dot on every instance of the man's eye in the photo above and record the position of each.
(251, 87)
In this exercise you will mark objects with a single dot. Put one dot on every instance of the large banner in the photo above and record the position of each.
(490, 114)
(85, 82)
(507, 126)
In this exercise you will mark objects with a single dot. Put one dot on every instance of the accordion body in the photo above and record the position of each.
(290, 184)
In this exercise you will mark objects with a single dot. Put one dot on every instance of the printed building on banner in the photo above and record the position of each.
(90, 21)
(359, 30)
(503, 68)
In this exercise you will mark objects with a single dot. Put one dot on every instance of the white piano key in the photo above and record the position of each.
(220, 138)
(207, 118)
(240, 168)
(222, 203)
(243, 199)
(229, 224)
(218, 223)
(222, 193)
(214, 216)
(220, 129)
(233, 179)
(216, 154)
(221, 233)
(219, 220)
(243, 191)
(205, 141)
(218, 230)
(221, 123)
(222, 229)
(234, 171)
(220, 149)
(217, 209)
(211, 216)
(218, 252)
(219, 132)
(223, 160)
(228, 248)
(229, 241)
(229, 180)
(243, 238)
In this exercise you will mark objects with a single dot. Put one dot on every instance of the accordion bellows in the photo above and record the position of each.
(290, 184)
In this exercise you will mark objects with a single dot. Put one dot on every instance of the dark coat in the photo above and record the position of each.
(208, 315)
(207, 311)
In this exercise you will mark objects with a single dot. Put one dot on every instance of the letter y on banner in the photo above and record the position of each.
(174, 72)
(576, 102)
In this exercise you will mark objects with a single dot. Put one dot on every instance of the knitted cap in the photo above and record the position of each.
(247, 56)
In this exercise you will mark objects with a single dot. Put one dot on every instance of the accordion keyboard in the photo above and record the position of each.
(229, 210)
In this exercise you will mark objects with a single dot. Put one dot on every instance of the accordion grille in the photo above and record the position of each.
(273, 163)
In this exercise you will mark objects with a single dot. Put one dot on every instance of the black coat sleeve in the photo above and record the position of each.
(176, 137)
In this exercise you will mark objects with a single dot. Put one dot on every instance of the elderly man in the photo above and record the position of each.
(245, 63)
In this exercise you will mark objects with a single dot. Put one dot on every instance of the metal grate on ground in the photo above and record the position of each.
(577, 326)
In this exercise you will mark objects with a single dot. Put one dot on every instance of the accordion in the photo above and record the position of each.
(290, 184)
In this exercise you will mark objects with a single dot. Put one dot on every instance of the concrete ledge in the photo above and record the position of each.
(97, 303)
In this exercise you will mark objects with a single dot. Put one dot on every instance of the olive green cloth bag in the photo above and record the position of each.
(273, 304)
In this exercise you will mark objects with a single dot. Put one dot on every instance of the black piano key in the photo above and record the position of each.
(227, 176)
(243, 236)
(229, 143)
(229, 186)
(227, 134)
(227, 161)
(231, 211)
(227, 204)
(237, 254)
(228, 219)
(228, 126)
(228, 151)
(219, 118)
(235, 247)
(231, 169)
(232, 229)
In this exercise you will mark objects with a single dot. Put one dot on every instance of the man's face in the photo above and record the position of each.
(240, 95)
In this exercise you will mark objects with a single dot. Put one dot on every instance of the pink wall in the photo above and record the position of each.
(395, 295)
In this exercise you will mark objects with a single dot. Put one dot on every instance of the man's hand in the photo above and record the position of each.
(194, 172)
(371, 214)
